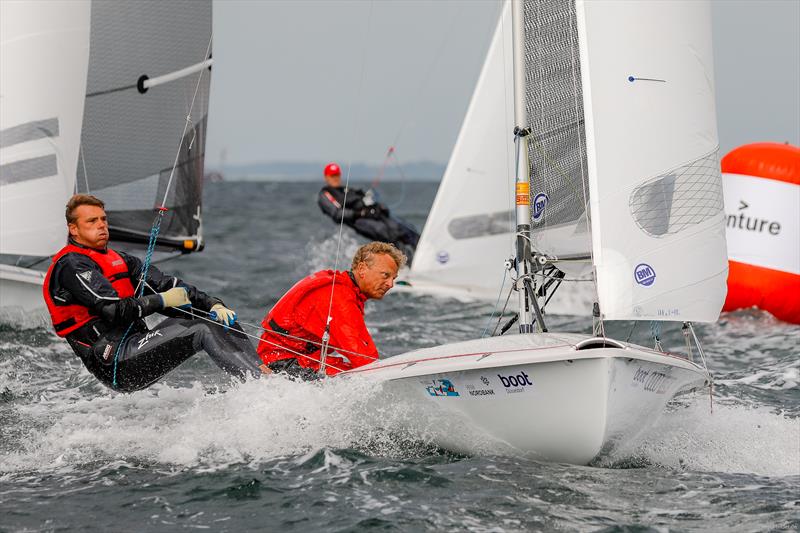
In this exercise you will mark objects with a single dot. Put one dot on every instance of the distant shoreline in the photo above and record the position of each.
(421, 171)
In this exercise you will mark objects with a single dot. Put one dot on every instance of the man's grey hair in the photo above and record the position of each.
(366, 254)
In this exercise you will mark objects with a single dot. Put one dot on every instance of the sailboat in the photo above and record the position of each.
(95, 98)
(41, 112)
(617, 178)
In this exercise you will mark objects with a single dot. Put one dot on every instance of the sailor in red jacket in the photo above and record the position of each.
(294, 327)
(90, 293)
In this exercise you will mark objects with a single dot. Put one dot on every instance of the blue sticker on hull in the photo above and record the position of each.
(441, 387)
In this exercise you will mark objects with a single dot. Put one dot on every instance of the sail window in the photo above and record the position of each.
(680, 198)
(481, 225)
(29, 131)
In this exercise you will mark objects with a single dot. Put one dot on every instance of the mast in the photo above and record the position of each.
(528, 306)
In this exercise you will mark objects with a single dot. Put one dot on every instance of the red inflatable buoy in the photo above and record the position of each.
(761, 184)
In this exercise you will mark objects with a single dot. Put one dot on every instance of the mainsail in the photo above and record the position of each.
(557, 142)
(623, 152)
(43, 63)
(132, 130)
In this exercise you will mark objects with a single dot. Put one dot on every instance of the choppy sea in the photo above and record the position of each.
(198, 452)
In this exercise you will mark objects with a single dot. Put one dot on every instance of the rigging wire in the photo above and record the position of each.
(195, 312)
(282, 347)
(294, 337)
(160, 211)
(499, 294)
(413, 106)
(426, 78)
(357, 119)
(505, 306)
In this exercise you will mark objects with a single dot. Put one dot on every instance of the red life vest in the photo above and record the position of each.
(285, 338)
(67, 318)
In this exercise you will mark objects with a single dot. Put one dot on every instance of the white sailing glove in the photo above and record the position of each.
(175, 297)
(222, 314)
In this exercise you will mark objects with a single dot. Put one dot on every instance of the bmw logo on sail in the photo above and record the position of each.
(644, 274)
(539, 203)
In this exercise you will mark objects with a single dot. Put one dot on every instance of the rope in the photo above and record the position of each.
(142, 282)
(499, 294)
(378, 179)
(156, 228)
(655, 330)
(510, 179)
(287, 335)
(321, 363)
(426, 78)
(412, 106)
(186, 124)
(391, 152)
(326, 333)
(505, 306)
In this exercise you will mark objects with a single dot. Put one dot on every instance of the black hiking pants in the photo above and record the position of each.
(148, 355)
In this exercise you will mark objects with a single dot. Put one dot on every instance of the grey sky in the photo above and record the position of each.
(286, 76)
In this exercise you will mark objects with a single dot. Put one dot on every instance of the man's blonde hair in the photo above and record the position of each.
(367, 252)
(78, 200)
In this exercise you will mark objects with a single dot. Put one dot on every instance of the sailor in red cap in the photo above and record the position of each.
(360, 211)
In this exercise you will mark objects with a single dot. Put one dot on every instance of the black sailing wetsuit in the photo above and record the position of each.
(371, 221)
(146, 355)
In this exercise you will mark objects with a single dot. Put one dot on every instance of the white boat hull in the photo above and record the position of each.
(545, 396)
(21, 301)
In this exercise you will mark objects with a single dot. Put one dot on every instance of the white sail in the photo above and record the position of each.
(470, 230)
(44, 57)
(658, 234)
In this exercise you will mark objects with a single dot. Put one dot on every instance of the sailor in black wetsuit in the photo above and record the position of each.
(89, 292)
(369, 218)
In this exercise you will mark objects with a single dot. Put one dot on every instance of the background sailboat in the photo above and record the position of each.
(44, 58)
(149, 69)
(124, 78)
